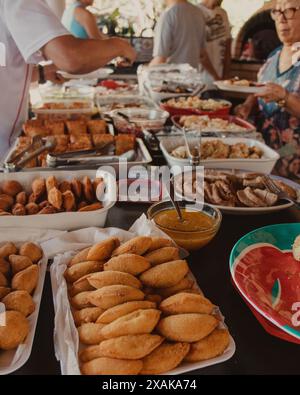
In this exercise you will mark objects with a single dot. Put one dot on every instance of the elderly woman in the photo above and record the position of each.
(277, 107)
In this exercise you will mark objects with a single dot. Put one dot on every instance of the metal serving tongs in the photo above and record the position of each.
(194, 155)
(37, 147)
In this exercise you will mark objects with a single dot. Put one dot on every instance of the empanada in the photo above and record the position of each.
(69, 202)
(81, 300)
(162, 255)
(113, 295)
(91, 333)
(51, 182)
(165, 275)
(81, 285)
(76, 188)
(128, 263)
(4, 267)
(159, 242)
(32, 251)
(14, 332)
(210, 347)
(103, 250)
(187, 328)
(138, 246)
(118, 311)
(3, 280)
(165, 358)
(26, 280)
(88, 190)
(4, 291)
(81, 269)
(7, 249)
(137, 323)
(19, 301)
(86, 316)
(183, 303)
(19, 263)
(80, 257)
(183, 285)
(103, 279)
(55, 198)
(109, 366)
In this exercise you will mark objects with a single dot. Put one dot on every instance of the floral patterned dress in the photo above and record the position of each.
(280, 129)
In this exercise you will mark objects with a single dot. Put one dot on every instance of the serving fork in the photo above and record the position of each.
(272, 187)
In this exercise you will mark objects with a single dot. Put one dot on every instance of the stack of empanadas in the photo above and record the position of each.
(137, 310)
(19, 273)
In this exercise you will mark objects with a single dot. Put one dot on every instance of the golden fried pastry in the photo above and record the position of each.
(97, 126)
(65, 186)
(113, 295)
(165, 358)
(120, 310)
(183, 285)
(3, 280)
(81, 269)
(77, 127)
(138, 246)
(21, 198)
(80, 142)
(4, 267)
(62, 143)
(91, 333)
(19, 301)
(14, 332)
(19, 263)
(124, 143)
(183, 303)
(33, 198)
(55, 127)
(154, 298)
(51, 182)
(76, 188)
(4, 291)
(102, 140)
(80, 257)
(162, 255)
(32, 251)
(69, 202)
(187, 328)
(87, 315)
(210, 347)
(91, 207)
(137, 323)
(32, 131)
(159, 242)
(7, 249)
(81, 300)
(11, 188)
(165, 275)
(39, 187)
(18, 210)
(6, 202)
(48, 210)
(103, 279)
(109, 366)
(81, 285)
(26, 280)
(55, 198)
(130, 347)
(88, 189)
(128, 263)
(104, 249)
(5, 213)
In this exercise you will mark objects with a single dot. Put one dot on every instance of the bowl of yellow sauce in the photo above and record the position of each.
(199, 226)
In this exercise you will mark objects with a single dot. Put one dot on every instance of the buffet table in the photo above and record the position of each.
(257, 352)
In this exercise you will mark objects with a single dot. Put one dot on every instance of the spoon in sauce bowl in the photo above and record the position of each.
(171, 193)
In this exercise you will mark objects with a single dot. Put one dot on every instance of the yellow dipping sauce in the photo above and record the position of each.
(196, 230)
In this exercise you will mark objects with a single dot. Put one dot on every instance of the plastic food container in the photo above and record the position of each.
(111, 103)
(189, 240)
(64, 109)
(60, 94)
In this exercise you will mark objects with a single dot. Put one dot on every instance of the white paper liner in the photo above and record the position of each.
(66, 340)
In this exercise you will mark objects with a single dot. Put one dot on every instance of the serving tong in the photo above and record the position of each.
(194, 154)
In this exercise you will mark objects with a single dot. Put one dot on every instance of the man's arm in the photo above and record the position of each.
(227, 60)
(206, 63)
(158, 60)
(88, 21)
(79, 56)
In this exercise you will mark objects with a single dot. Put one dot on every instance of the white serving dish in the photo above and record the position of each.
(238, 89)
(60, 221)
(104, 103)
(263, 165)
(99, 74)
(66, 336)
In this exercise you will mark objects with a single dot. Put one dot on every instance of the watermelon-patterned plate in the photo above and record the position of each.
(267, 275)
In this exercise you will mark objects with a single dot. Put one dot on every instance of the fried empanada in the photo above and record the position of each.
(103, 250)
(19, 301)
(109, 366)
(81, 285)
(113, 295)
(4, 291)
(55, 198)
(187, 328)
(19, 263)
(183, 303)
(183, 285)
(32, 251)
(90, 207)
(88, 190)
(26, 280)
(87, 315)
(128, 263)
(118, 311)
(4, 267)
(76, 188)
(38, 187)
(7, 249)
(69, 202)
(3, 280)
(80, 257)
(15, 330)
(162, 255)
(91, 333)
(165, 358)
(103, 279)
(51, 182)
(81, 269)
(165, 275)
(81, 300)
(210, 347)
(159, 242)
(138, 246)
(137, 323)
(11, 188)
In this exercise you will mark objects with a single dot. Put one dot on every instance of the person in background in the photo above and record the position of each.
(30, 33)
(276, 110)
(180, 37)
(81, 22)
(218, 40)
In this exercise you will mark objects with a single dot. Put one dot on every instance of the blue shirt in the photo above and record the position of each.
(70, 22)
